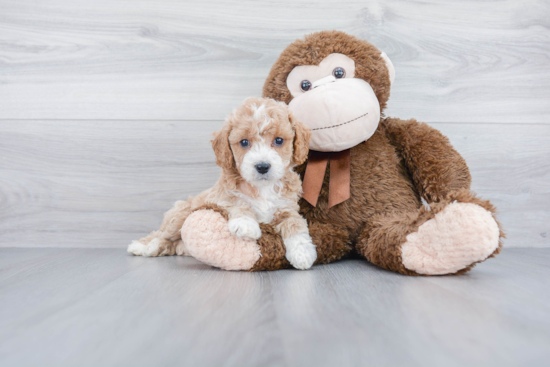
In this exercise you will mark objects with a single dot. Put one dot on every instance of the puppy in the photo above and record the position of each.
(259, 145)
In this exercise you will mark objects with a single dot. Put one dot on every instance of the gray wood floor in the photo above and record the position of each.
(103, 307)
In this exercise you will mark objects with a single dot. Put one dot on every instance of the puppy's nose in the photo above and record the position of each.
(263, 167)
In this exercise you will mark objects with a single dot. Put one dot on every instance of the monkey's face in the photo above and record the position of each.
(336, 84)
(340, 109)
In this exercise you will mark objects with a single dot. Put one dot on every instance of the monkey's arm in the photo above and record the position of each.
(434, 165)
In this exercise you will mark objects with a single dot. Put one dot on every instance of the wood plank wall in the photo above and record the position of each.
(106, 107)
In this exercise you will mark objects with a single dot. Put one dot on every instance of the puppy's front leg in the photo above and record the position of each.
(244, 225)
(300, 251)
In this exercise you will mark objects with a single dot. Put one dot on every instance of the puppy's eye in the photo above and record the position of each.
(244, 143)
(339, 73)
(278, 141)
(305, 85)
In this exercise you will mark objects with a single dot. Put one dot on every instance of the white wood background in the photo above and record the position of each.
(106, 107)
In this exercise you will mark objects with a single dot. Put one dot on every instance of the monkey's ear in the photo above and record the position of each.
(222, 149)
(389, 65)
(301, 139)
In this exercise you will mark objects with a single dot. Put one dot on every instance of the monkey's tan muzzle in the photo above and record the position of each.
(341, 113)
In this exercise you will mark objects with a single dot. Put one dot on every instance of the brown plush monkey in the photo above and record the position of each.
(366, 175)
(330, 78)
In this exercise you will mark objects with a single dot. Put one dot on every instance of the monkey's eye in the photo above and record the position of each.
(244, 143)
(339, 73)
(279, 141)
(305, 85)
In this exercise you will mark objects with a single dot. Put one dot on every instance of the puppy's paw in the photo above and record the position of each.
(136, 248)
(245, 227)
(300, 251)
(152, 249)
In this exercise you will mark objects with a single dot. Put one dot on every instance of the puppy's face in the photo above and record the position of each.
(261, 140)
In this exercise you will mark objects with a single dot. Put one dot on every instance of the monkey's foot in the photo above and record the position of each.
(207, 238)
(459, 236)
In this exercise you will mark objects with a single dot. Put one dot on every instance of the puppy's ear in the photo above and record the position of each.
(222, 149)
(301, 139)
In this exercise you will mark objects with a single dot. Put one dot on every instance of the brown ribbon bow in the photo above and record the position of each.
(339, 181)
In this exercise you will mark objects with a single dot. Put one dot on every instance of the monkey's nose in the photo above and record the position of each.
(263, 167)
(325, 80)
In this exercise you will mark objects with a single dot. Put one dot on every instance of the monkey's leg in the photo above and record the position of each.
(207, 238)
(451, 238)
(167, 240)
(332, 242)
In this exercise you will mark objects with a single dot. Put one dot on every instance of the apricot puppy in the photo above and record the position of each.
(257, 148)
